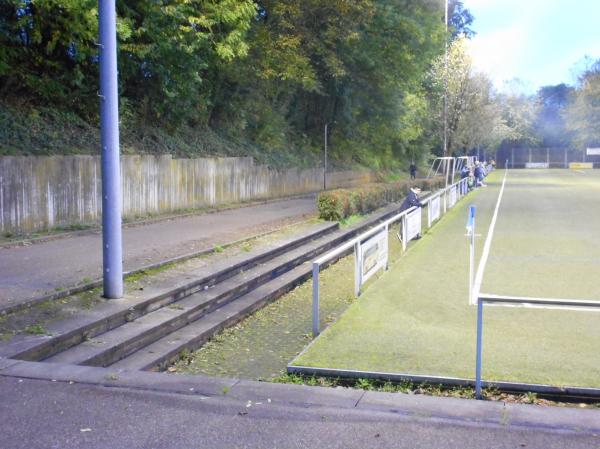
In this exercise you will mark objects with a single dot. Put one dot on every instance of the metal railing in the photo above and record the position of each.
(355, 242)
(461, 190)
(520, 300)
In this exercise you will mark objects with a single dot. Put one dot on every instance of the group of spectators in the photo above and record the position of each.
(476, 173)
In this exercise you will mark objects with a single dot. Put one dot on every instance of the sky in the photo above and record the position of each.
(540, 42)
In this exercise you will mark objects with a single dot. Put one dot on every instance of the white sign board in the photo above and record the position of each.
(593, 152)
(413, 225)
(434, 208)
(537, 165)
(452, 197)
(373, 256)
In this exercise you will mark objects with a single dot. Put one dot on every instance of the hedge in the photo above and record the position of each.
(335, 205)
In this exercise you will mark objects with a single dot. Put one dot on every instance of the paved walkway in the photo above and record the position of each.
(153, 410)
(28, 272)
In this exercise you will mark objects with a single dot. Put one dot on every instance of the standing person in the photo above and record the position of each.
(413, 170)
(412, 200)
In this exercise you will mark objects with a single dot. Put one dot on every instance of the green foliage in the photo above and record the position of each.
(477, 115)
(551, 103)
(47, 49)
(338, 204)
(265, 75)
(583, 113)
(36, 329)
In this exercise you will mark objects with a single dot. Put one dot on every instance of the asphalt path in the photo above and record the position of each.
(43, 414)
(39, 269)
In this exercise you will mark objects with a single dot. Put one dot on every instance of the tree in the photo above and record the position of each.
(482, 125)
(518, 113)
(48, 52)
(452, 80)
(460, 20)
(551, 103)
(170, 51)
(583, 113)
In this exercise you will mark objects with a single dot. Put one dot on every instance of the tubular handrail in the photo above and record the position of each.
(500, 299)
(374, 230)
(355, 242)
(558, 302)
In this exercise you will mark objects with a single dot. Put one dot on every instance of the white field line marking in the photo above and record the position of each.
(486, 247)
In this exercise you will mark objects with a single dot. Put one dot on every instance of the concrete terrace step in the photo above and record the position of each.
(160, 353)
(125, 328)
(164, 350)
(112, 314)
(118, 343)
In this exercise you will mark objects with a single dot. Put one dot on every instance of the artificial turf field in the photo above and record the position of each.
(416, 319)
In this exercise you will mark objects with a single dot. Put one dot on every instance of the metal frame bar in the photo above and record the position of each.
(439, 161)
(523, 300)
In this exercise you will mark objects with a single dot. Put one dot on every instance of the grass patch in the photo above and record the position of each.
(351, 220)
(260, 346)
(407, 387)
(35, 329)
(416, 318)
(36, 319)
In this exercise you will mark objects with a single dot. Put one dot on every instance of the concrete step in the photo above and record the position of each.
(115, 344)
(112, 314)
(203, 294)
(162, 352)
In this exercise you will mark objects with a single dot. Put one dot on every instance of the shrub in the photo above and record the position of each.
(337, 204)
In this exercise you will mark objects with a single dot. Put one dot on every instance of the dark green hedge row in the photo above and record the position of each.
(335, 205)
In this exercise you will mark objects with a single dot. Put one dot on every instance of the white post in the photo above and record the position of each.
(445, 200)
(357, 268)
(404, 233)
(387, 245)
(429, 214)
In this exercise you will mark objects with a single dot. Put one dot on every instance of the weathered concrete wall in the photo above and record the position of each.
(39, 193)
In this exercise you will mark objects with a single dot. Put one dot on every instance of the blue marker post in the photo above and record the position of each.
(111, 172)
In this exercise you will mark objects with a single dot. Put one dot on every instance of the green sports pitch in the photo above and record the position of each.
(416, 318)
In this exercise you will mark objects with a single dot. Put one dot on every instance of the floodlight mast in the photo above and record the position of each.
(112, 263)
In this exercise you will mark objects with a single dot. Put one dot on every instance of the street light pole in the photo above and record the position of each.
(112, 263)
(446, 81)
(325, 159)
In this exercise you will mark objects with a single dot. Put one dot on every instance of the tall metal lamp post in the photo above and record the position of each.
(112, 263)
(325, 158)
(446, 82)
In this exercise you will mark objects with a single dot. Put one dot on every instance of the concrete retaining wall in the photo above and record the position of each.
(38, 193)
